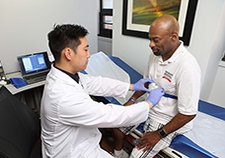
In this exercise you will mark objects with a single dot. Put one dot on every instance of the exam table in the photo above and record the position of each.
(205, 140)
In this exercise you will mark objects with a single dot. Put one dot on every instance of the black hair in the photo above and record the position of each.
(66, 35)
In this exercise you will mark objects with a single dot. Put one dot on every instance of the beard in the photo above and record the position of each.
(158, 53)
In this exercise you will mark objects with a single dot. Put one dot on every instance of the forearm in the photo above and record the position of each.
(151, 138)
(177, 122)
(136, 95)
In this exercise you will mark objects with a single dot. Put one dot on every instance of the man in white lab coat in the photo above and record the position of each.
(69, 117)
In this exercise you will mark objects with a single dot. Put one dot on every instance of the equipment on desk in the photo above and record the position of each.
(2, 82)
(2, 75)
(17, 82)
(34, 67)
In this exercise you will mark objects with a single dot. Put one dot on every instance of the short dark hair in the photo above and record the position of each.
(66, 35)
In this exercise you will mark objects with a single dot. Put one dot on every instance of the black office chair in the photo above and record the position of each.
(19, 128)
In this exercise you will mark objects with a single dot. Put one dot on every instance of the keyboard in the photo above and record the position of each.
(35, 78)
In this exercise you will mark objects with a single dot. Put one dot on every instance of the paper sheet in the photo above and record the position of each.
(209, 133)
(101, 65)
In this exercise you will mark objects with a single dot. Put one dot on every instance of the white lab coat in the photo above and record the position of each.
(70, 118)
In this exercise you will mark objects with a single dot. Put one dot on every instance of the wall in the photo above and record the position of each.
(105, 45)
(134, 51)
(208, 42)
(24, 25)
(218, 88)
(214, 88)
(206, 33)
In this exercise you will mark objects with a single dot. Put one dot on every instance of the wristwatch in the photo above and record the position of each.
(162, 132)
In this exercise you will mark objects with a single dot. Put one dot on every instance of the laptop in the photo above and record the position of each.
(34, 67)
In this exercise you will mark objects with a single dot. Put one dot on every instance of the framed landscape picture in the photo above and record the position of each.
(139, 14)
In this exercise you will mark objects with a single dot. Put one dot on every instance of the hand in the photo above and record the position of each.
(155, 96)
(148, 140)
(140, 85)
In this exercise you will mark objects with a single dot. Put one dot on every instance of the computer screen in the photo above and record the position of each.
(34, 63)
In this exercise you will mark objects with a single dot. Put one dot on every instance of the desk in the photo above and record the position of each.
(30, 94)
(15, 90)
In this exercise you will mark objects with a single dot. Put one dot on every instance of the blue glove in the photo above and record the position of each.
(140, 85)
(155, 96)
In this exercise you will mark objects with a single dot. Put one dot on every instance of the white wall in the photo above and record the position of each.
(24, 25)
(105, 45)
(206, 42)
(134, 51)
(218, 89)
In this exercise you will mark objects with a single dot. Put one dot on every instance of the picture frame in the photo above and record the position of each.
(186, 18)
